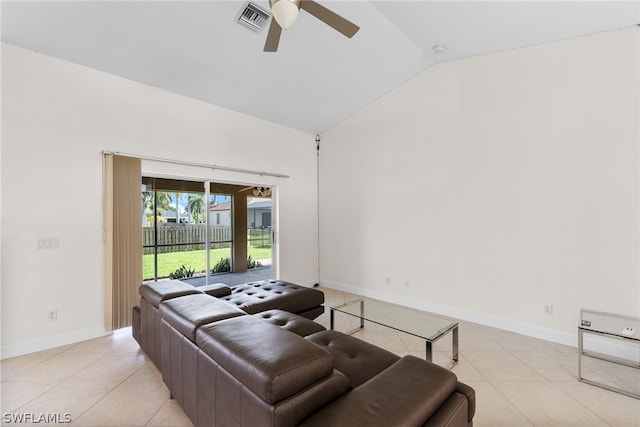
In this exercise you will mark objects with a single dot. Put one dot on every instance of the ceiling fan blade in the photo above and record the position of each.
(273, 37)
(330, 18)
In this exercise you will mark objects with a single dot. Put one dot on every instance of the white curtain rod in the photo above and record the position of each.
(199, 165)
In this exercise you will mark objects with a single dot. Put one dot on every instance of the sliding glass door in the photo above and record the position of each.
(191, 230)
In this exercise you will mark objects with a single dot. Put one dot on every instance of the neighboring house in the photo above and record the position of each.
(164, 217)
(258, 213)
(169, 216)
(220, 214)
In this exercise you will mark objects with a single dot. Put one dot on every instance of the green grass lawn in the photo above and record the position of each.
(170, 262)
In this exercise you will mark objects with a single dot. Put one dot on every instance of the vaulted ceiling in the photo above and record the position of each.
(318, 77)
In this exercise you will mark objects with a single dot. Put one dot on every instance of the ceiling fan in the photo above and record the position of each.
(285, 13)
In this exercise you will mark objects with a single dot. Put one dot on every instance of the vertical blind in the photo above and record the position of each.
(122, 237)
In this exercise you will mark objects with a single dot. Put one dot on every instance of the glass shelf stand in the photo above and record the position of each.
(613, 326)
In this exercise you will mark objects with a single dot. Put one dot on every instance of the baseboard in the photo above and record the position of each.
(49, 342)
(310, 283)
(596, 344)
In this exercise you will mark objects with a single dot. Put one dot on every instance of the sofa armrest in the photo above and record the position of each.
(407, 393)
(470, 394)
(217, 290)
(452, 413)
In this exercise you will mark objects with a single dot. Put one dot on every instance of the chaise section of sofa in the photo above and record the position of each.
(269, 294)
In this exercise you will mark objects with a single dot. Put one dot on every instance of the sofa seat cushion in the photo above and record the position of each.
(156, 292)
(271, 362)
(291, 322)
(217, 290)
(186, 314)
(357, 359)
(269, 294)
(413, 388)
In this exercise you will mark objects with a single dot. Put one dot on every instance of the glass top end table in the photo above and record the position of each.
(426, 326)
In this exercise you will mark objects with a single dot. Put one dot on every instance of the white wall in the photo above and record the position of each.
(495, 185)
(57, 118)
(501, 183)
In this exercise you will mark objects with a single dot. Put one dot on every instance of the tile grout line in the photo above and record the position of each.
(507, 398)
(56, 384)
(110, 391)
(26, 369)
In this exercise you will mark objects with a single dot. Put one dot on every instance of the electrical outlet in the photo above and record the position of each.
(48, 242)
(387, 280)
(53, 314)
(548, 309)
(406, 283)
(628, 332)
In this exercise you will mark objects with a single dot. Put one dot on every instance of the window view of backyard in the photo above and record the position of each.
(174, 234)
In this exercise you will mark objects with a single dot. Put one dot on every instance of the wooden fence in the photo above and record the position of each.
(191, 237)
(259, 237)
(185, 237)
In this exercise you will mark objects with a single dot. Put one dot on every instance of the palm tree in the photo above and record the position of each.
(177, 208)
(164, 202)
(195, 204)
(147, 203)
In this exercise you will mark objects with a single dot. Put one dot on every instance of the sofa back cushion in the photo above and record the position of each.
(156, 292)
(271, 362)
(222, 400)
(186, 314)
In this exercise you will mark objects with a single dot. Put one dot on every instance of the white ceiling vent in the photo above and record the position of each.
(253, 17)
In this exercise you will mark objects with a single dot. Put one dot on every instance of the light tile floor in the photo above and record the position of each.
(519, 381)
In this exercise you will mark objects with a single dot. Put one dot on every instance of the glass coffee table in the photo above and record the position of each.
(428, 327)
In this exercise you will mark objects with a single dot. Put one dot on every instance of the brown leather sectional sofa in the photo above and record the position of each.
(227, 366)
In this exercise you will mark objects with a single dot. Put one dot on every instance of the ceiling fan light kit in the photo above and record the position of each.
(262, 191)
(285, 11)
